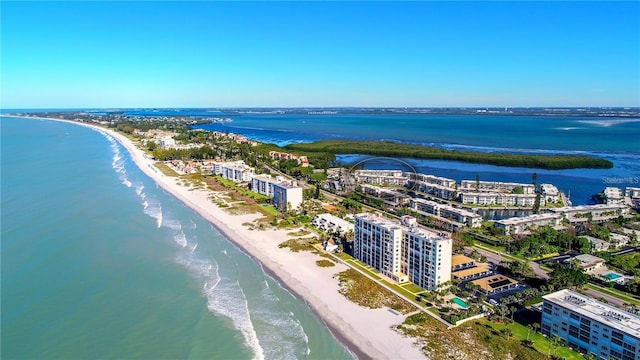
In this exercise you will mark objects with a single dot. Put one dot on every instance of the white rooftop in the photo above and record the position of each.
(596, 310)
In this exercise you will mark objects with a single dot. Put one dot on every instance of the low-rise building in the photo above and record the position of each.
(476, 272)
(433, 185)
(389, 196)
(329, 222)
(591, 326)
(549, 194)
(613, 195)
(459, 262)
(462, 216)
(496, 186)
(497, 198)
(585, 213)
(521, 225)
(495, 284)
(597, 244)
(588, 263)
(381, 177)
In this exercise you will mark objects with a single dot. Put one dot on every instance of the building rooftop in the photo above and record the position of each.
(596, 310)
(586, 259)
(460, 259)
(470, 271)
(587, 208)
(528, 219)
(493, 282)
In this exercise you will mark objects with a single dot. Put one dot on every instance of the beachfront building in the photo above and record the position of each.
(612, 195)
(377, 243)
(522, 225)
(433, 185)
(496, 187)
(389, 196)
(329, 222)
(460, 217)
(591, 326)
(403, 251)
(236, 171)
(381, 177)
(585, 213)
(549, 194)
(285, 194)
(497, 198)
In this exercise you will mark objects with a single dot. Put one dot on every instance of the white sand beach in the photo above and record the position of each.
(368, 333)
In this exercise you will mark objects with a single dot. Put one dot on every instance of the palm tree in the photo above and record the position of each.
(536, 326)
(529, 328)
(512, 309)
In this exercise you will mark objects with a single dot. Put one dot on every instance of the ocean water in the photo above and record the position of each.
(615, 139)
(98, 262)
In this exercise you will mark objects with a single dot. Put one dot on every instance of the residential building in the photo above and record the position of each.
(329, 222)
(462, 216)
(476, 272)
(588, 263)
(236, 171)
(597, 244)
(584, 213)
(460, 262)
(591, 326)
(549, 194)
(381, 177)
(389, 196)
(522, 225)
(285, 194)
(613, 195)
(403, 251)
(498, 198)
(496, 186)
(433, 185)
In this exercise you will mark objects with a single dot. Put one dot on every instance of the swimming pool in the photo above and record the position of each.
(459, 302)
(612, 276)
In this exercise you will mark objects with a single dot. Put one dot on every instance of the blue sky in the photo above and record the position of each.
(231, 54)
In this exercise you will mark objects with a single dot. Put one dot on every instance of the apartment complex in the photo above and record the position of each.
(403, 251)
(433, 185)
(285, 194)
(236, 171)
(598, 212)
(381, 177)
(521, 225)
(461, 216)
(496, 186)
(590, 326)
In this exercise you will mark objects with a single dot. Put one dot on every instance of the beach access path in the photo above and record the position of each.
(368, 333)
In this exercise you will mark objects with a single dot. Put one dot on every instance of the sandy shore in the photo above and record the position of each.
(367, 333)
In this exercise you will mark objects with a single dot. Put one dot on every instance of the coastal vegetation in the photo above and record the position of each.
(394, 149)
(365, 292)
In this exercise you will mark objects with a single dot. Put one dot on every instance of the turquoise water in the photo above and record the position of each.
(98, 262)
(612, 276)
(460, 302)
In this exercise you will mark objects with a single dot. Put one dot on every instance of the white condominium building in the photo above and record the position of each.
(403, 251)
(591, 326)
(236, 171)
(285, 194)
(520, 225)
(462, 216)
(598, 212)
(434, 185)
(381, 177)
(495, 186)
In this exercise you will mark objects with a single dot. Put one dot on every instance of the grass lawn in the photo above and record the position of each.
(540, 343)
(271, 209)
(165, 169)
(412, 288)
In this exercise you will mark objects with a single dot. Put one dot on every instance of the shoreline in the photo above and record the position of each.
(365, 333)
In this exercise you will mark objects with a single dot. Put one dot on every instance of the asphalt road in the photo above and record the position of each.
(496, 259)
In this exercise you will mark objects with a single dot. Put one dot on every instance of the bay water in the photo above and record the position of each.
(98, 262)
